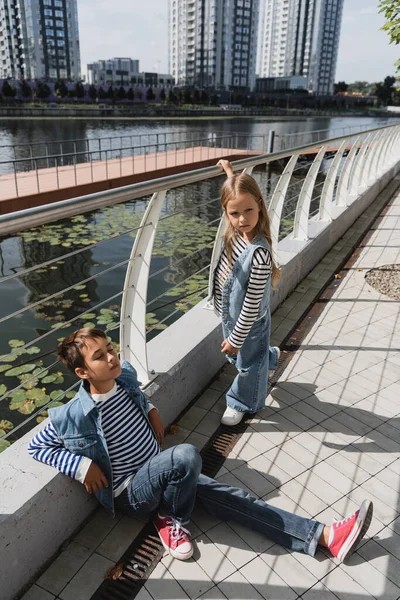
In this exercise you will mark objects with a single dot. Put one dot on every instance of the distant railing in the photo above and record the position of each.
(320, 190)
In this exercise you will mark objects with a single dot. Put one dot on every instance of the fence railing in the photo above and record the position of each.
(342, 168)
(40, 174)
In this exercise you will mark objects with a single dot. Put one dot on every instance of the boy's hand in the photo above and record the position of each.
(157, 424)
(227, 167)
(95, 479)
(228, 349)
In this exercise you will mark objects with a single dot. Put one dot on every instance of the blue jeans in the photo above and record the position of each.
(249, 388)
(171, 483)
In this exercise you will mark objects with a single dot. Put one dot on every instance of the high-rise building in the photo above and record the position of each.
(301, 37)
(272, 38)
(213, 43)
(39, 39)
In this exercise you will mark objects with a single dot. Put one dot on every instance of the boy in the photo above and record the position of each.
(108, 438)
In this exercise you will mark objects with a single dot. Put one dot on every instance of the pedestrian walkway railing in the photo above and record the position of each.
(32, 156)
(298, 194)
(34, 175)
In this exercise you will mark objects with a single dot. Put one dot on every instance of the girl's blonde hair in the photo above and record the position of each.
(245, 184)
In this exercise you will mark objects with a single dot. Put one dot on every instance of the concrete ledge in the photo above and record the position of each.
(40, 508)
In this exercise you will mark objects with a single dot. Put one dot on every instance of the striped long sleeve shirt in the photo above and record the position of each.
(129, 438)
(260, 271)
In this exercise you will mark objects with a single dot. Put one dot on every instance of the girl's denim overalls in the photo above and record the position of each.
(249, 389)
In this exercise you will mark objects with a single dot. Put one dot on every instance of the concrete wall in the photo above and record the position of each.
(40, 508)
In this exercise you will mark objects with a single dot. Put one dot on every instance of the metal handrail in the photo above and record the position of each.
(371, 154)
(39, 214)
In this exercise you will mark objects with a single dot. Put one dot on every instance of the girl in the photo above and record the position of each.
(241, 294)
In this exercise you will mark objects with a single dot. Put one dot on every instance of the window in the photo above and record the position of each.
(60, 43)
(59, 14)
(47, 3)
(48, 12)
(60, 33)
(50, 32)
(58, 3)
(59, 23)
(48, 22)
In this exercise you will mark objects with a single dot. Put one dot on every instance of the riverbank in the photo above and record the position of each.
(167, 113)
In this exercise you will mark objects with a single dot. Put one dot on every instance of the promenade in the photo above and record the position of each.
(328, 437)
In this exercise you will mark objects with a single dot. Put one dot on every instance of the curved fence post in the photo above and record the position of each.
(300, 229)
(325, 205)
(278, 199)
(355, 176)
(134, 299)
(215, 254)
(365, 174)
(341, 193)
(375, 166)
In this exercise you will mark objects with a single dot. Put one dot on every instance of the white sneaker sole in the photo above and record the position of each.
(359, 530)
(230, 421)
(272, 371)
(175, 553)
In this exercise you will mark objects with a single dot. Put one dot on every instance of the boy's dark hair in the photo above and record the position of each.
(69, 351)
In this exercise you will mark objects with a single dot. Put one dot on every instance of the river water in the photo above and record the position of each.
(179, 266)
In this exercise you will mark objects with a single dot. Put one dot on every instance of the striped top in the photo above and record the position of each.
(260, 271)
(129, 438)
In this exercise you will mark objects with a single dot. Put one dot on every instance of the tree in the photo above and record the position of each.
(361, 87)
(8, 91)
(384, 90)
(92, 92)
(42, 90)
(196, 97)
(162, 95)
(60, 89)
(139, 95)
(172, 98)
(121, 93)
(26, 90)
(340, 86)
(130, 94)
(150, 94)
(205, 98)
(391, 12)
(79, 90)
(187, 96)
(110, 92)
(101, 93)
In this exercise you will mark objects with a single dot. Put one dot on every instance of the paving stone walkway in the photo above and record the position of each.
(328, 437)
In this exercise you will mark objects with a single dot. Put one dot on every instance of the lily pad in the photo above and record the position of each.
(15, 343)
(49, 379)
(33, 350)
(4, 368)
(3, 445)
(6, 425)
(20, 370)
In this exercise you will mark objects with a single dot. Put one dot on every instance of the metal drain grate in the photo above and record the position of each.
(125, 580)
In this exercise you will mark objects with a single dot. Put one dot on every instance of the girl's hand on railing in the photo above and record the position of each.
(227, 167)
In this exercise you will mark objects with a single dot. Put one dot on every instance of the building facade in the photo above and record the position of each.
(213, 43)
(301, 38)
(125, 71)
(39, 39)
(272, 38)
(114, 71)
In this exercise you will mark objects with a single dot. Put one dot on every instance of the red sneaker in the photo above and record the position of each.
(174, 537)
(346, 534)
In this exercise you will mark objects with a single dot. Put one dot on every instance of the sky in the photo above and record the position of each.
(139, 29)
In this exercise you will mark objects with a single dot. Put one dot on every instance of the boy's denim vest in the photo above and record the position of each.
(78, 425)
(235, 287)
